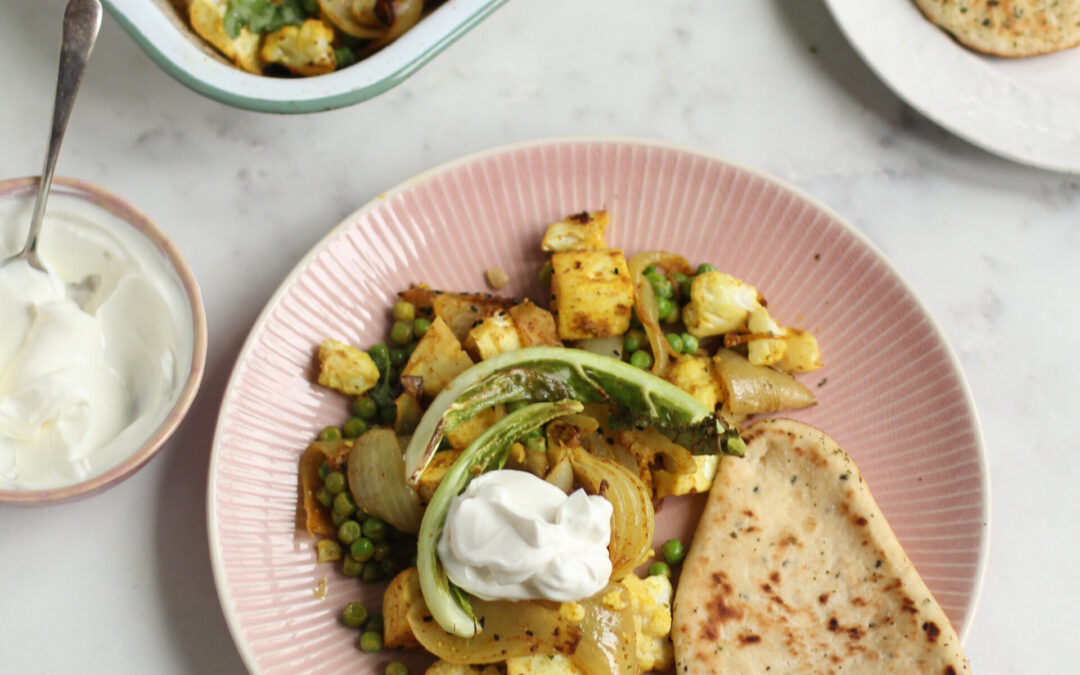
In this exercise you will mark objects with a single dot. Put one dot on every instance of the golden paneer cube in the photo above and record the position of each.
(438, 358)
(346, 369)
(579, 232)
(694, 375)
(592, 294)
(535, 325)
(493, 336)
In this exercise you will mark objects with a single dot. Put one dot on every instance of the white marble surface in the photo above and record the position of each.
(121, 582)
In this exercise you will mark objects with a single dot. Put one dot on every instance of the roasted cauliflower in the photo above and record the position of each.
(306, 49)
(208, 20)
(719, 303)
(346, 369)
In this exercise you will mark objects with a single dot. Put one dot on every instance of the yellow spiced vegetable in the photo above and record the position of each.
(306, 49)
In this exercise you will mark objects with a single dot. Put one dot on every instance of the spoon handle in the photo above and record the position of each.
(82, 19)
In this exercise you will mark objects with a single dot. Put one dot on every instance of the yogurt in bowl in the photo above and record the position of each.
(100, 356)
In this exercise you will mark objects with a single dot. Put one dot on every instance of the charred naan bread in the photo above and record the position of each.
(1008, 27)
(793, 569)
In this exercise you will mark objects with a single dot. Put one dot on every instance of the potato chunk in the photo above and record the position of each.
(591, 293)
(493, 336)
(402, 593)
(434, 473)
(579, 232)
(535, 325)
(438, 358)
(346, 369)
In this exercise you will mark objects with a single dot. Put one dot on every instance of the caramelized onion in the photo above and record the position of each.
(751, 389)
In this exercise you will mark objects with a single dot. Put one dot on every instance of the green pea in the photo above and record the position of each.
(375, 624)
(641, 359)
(337, 518)
(420, 327)
(364, 408)
(633, 341)
(404, 311)
(351, 568)
(325, 497)
(545, 274)
(398, 357)
(380, 354)
(324, 469)
(401, 333)
(660, 284)
(344, 504)
(374, 529)
(344, 56)
(514, 406)
(335, 482)
(396, 668)
(390, 568)
(651, 269)
(330, 434)
(327, 550)
(673, 551)
(382, 550)
(349, 532)
(354, 615)
(689, 343)
(664, 307)
(536, 444)
(362, 549)
(684, 282)
(354, 428)
(705, 267)
(672, 316)
(370, 641)
(372, 571)
(675, 341)
(736, 446)
(659, 569)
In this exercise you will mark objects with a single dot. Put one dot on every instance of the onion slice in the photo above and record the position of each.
(377, 481)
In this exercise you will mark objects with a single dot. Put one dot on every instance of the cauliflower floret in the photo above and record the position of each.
(650, 599)
(306, 49)
(492, 336)
(591, 293)
(346, 369)
(765, 352)
(802, 354)
(446, 668)
(671, 484)
(556, 664)
(694, 375)
(438, 358)
(719, 303)
(208, 20)
(572, 612)
(579, 232)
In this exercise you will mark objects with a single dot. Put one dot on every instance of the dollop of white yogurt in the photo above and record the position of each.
(93, 352)
(513, 536)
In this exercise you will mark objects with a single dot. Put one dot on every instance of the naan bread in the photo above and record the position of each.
(793, 569)
(1008, 27)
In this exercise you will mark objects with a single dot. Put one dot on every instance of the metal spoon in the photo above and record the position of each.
(82, 20)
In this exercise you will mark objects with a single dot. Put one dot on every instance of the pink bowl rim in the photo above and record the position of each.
(217, 564)
(114, 204)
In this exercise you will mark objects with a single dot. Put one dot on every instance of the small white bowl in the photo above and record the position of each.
(165, 36)
(25, 189)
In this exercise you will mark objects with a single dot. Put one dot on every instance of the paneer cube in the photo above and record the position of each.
(438, 358)
(462, 312)
(579, 232)
(492, 336)
(592, 294)
(346, 369)
(535, 325)
(694, 375)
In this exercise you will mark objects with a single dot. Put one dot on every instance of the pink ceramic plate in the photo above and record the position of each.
(891, 393)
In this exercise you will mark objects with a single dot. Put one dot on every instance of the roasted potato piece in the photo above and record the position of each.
(535, 325)
(435, 472)
(579, 232)
(462, 312)
(438, 358)
(346, 369)
(400, 596)
(592, 294)
(468, 431)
